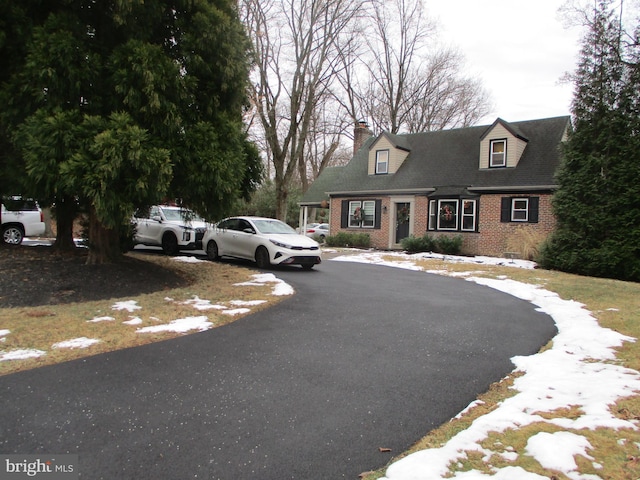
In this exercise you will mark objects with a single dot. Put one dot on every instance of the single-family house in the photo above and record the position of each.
(490, 184)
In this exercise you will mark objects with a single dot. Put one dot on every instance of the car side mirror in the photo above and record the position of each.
(157, 218)
(249, 230)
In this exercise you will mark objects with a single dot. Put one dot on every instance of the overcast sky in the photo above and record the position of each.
(519, 49)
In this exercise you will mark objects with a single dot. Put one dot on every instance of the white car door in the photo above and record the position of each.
(224, 237)
(154, 226)
(245, 240)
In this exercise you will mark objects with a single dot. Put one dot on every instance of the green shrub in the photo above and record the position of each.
(346, 239)
(413, 244)
(449, 245)
(426, 243)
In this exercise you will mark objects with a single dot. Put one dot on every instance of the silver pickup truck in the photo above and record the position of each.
(21, 218)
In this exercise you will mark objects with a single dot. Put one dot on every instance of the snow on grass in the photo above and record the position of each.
(247, 303)
(3, 335)
(181, 325)
(187, 259)
(133, 321)
(128, 305)
(281, 288)
(200, 304)
(101, 319)
(236, 311)
(574, 372)
(21, 354)
(557, 451)
(82, 342)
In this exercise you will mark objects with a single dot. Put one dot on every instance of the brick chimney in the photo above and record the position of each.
(361, 133)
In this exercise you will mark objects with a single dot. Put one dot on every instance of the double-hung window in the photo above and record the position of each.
(468, 222)
(498, 154)
(382, 162)
(519, 209)
(362, 214)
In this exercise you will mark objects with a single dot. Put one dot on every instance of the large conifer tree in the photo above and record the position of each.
(597, 204)
(121, 103)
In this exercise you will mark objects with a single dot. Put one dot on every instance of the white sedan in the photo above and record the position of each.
(266, 241)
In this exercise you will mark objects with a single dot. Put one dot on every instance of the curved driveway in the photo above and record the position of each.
(362, 357)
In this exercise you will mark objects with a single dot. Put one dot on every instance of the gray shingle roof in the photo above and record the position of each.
(447, 159)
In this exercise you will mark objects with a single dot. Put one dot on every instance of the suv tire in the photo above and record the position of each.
(169, 244)
(12, 235)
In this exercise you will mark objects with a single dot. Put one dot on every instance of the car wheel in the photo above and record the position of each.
(262, 257)
(169, 243)
(322, 238)
(212, 251)
(12, 235)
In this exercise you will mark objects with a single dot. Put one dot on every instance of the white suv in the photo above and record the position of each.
(172, 228)
(21, 218)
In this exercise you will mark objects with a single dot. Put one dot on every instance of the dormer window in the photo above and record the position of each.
(498, 153)
(382, 162)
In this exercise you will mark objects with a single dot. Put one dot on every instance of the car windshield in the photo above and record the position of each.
(273, 226)
(176, 214)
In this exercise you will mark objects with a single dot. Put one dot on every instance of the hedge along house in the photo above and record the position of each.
(490, 184)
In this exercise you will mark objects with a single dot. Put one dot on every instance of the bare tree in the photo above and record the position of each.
(411, 83)
(295, 45)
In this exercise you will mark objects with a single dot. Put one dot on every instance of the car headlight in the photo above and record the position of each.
(280, 244)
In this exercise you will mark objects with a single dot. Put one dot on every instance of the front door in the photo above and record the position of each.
(403, 221)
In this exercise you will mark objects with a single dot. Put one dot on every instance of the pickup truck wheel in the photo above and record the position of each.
(12, 235)
(212, 251)
(169, 243)
(262, 258)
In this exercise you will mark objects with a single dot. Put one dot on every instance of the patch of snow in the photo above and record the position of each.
(200, 304)
(247, 303)
(187, 259)
(101, 319)
(280, 288)
(4, 333)
(180, 325)
(82, 342)
(556, 451)
(21, 354)
(128, 305)
(133, 321)
(236, 311)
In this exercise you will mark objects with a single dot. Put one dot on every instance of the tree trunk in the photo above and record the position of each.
(104, 243)
(281, 201)
(66, 211)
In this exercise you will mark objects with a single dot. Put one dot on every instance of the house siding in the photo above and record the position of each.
(515, 146)
(396, 156)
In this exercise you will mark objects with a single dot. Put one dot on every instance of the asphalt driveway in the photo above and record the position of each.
(362, 357)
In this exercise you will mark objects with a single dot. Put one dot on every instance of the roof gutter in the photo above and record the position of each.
(403, 191)
(513, 188)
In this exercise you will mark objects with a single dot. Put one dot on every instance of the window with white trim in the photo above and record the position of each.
(498, 153)
(468, 223)
(362, 214)
(519, 209)
(447, 214)
(382, 162)
(453, 214)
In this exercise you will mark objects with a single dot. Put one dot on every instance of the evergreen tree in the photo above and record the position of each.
(122, 103)
(596, 205)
